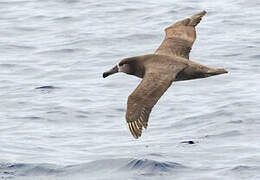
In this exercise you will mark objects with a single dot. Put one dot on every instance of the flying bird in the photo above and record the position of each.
(158, 71)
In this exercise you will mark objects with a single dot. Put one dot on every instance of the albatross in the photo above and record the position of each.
(158, 71)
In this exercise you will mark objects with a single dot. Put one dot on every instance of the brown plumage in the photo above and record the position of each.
(169, 63)
(180, 37)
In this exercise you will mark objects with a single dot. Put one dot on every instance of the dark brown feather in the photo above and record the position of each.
(180, 37)
(156, 81)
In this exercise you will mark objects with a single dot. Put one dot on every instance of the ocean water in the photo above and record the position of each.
(59, 119)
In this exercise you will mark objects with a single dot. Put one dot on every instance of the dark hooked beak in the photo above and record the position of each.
(111, 71)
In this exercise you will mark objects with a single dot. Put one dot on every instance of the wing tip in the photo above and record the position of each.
(200, 14)
(191, 21)
(196, 18)
(135, 130)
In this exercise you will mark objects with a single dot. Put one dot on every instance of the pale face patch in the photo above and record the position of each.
(120, 69)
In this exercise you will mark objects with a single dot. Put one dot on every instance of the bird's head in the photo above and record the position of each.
(124, 66)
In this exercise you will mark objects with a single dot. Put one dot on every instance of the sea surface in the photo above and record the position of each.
(59, 119)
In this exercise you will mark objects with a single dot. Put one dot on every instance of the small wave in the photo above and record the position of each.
(255, 56)
(15, 170)
(245, 168)
(225, 134)
(232, 55)
(105, 166)
(26, 29)
(138, 37)
(235, 122)
(151, 165)
(64, 18)
(240, 168)
(13, 2)
(19, 47)
(188, 142)
(120, 109)
(7, 65)
(61, 51)
(33, 117)
(155, 154)
(40, 17)
(46, 87)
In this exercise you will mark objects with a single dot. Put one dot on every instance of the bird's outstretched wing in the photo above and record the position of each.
(180, 37)
(140, 103)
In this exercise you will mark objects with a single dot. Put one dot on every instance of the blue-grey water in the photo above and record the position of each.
(59, 119)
